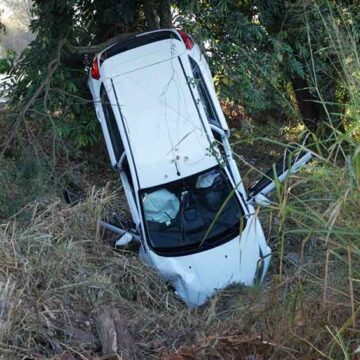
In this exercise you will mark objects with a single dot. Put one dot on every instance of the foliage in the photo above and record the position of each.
(7, 63)
(264, 56)
(65, 87)
(264, 46)
(49, 64)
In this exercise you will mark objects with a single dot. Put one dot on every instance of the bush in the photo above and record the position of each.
(23, 179)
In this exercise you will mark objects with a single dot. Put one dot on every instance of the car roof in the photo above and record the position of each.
(167, 136)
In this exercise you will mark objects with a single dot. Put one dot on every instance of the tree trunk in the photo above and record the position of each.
(165, 14)
(150, 15)
(310, 110)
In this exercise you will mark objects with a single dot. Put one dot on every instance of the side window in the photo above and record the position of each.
(204, 94)
(111, 125)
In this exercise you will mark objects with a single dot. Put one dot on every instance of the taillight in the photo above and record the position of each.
(95, 71)
(186, 39)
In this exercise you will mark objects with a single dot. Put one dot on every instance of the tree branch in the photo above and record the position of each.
(92, 49)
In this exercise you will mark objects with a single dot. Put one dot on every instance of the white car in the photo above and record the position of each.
(167, 137)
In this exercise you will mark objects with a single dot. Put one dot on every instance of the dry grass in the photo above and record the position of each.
(58, 269)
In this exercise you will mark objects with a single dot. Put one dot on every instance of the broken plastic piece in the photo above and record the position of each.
(124, 239)
(260, 200)
(206, 180)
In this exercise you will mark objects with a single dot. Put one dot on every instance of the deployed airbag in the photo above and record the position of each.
(161, 206)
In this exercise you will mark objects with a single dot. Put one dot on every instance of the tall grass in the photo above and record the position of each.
(314, 228)
(318, 217)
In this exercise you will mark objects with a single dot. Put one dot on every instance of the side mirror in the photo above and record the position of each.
(289, 164)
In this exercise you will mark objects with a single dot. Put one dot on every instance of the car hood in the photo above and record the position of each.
(198, 276)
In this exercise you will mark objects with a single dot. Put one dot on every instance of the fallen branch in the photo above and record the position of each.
(114, 333)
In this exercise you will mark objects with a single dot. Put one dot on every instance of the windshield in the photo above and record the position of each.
(198, 211)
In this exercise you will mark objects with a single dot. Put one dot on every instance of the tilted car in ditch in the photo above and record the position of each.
(167, 137)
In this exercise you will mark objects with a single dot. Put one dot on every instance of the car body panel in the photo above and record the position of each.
(198, 276)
